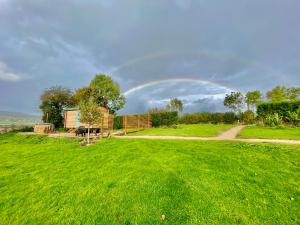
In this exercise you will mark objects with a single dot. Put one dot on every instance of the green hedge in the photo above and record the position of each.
(164, 118)
(207, 117)
(281, 108)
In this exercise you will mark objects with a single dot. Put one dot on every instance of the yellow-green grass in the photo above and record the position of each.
(195, 130)
(122, 181)
(289, 133)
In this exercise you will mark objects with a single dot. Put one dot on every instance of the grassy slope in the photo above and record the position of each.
(271, 133)
(197, 130)
(53, 181)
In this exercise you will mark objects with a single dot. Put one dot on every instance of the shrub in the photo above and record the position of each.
(25, 129)
(294, 117)
(273, 120)
(118, 122)
(164, 118)
(62, 129)
(230, 118)
(248, 117)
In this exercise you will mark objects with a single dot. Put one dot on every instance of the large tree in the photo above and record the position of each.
(175, 105)
(81, 94)
(107, 93)
(234, 101)
(293, 93)
(89, 113)
(53, 101)
(253, 98)
(277, 94)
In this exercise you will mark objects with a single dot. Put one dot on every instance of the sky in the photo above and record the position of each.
(195, 50)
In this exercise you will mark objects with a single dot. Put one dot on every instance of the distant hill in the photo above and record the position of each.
(16, 118)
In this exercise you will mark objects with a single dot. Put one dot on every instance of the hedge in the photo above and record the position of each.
(164, 118)
(207, 117)
(281, 108)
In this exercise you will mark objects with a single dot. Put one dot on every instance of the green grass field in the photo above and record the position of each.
(122, 181)
(196, 130)
(270, 133)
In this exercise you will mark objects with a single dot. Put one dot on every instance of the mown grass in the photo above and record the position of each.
(119, 181)
(195, 130)
(291, 133)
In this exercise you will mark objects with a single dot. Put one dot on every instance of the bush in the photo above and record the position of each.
(294, 117)
(281, 108)
(273, 120)
(230, 118)
(164, 118)
(25, 129)
(62, 129)
(248, 117)
(118, 122)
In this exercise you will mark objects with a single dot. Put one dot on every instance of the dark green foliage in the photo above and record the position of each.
(230, 117)
(53, 101)
(248, 117)
(118, 122)
(207, 117)
(164, 118)
(281, 108)
(25, 129)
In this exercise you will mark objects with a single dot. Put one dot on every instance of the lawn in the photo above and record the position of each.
(270, 133)
(122, 181)
(195, 130)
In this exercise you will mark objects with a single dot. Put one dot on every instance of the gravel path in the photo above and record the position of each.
(229, 135)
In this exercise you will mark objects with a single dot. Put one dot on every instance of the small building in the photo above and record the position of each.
(72, 119)
(43, 128)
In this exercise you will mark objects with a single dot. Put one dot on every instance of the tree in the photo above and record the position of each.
(175, 105)
(277, 94)
(107, 93)
(253, 98)
(89, 114)
(53, 101)
(81, 94)
(234, 101)
(293, 93)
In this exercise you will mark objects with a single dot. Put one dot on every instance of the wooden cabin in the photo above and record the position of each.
(72, 119)
(43, 128)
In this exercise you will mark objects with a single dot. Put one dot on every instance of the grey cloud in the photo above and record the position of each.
(249, 44)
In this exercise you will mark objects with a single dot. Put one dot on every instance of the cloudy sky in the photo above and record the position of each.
(195, 50)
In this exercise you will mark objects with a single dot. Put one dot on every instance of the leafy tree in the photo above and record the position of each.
(253, 98)
(107, 93)
(81, 94)
(89, 113)
(293, 93)
(175, 105)
(234, 101)
(53, 101)
(277, 94)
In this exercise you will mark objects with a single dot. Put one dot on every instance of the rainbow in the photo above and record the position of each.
(162, 81)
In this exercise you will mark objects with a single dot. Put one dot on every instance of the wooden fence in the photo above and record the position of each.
(136, 122)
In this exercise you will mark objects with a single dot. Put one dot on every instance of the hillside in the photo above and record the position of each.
(16, 118)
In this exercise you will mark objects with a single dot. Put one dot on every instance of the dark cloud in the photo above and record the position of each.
(247, 44)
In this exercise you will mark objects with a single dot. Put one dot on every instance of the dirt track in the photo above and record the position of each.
(229, 135)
